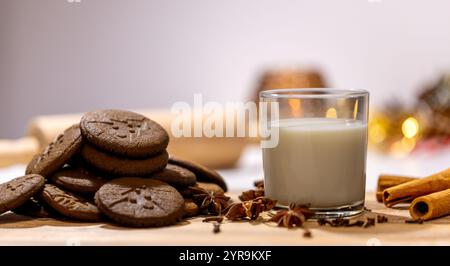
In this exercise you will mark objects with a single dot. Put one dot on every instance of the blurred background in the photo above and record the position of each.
(71, 56)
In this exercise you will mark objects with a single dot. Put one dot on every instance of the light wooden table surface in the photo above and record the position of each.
(19, 230)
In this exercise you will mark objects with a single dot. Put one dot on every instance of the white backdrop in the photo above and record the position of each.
(58, 57)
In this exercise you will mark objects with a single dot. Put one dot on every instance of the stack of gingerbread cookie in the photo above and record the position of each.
(113, 165)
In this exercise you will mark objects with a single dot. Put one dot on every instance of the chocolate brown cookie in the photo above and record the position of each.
(187, 192)
(69, 204)
(124, 133)
(175, 176)
(140, 202)
(17, 191)
(123, 166)
(57, 153)
(78, 179)
(202, 173)
(191, 209)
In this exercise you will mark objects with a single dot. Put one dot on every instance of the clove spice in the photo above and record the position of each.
(216, 227)
(341, 222)
(307, 233)
(382, 219)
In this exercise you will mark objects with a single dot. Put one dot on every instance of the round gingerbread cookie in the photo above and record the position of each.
(124, 133)
(69, 204)
(78, 179)
(16, 192)
(188, 192)
(202, 173)
(175, 176)
(123, 166)
(57, 153)
(140, 202)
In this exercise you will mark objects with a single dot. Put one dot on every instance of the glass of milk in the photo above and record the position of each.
(320, 157)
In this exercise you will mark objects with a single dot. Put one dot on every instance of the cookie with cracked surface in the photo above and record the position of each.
(78, 180)
(140, 202)
(69, 204)
(124, 133)
(187, 192)
(57, 153)
(176, 176)
(17, 191)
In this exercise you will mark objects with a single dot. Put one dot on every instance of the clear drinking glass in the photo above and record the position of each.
(320, 158)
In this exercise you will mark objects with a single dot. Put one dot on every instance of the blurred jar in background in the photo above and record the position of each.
(287, 79)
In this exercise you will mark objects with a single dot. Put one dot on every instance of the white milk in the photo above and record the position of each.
(318, 161)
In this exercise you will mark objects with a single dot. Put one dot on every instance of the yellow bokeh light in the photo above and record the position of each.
(402, 148)
(408, 144)
(410, 127)
(331, 113)
(377, 133)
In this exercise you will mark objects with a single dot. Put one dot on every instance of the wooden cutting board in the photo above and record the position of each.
(20, 230)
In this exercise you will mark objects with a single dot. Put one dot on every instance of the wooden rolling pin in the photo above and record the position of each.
(18, 151)
(212, 152)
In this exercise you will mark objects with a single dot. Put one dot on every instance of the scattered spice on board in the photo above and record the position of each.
(295, 216)
(341, 222)
(250, 209)
(253, 203)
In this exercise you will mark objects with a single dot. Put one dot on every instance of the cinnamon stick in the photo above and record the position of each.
(386, 181)
(410, 190)
(431, 206)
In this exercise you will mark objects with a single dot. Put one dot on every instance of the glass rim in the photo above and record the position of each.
(313, 93)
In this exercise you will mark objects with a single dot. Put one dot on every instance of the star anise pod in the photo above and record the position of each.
(251, 194)
(294, 216)
(235, 211)
(210, 201)
(256, 206)
(250, 209)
